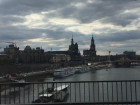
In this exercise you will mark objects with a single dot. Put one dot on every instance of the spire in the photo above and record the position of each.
(92, 40)
(92, 37)
(92, 46)
(72, 35)
(72, 42)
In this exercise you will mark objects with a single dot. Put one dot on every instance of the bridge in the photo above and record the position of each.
(120, 63)
(125, 63)
(80, 92)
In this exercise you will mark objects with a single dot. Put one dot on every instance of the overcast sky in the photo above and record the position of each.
(50, 23)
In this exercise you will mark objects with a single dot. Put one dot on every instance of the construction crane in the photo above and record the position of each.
(10, 43)
(109, 55)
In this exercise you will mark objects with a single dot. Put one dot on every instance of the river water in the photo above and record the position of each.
(85, 92)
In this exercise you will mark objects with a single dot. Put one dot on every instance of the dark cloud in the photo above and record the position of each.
(116, 12)
(121, 19)
(120, 36)
(101, 9)
(9, 19)
(25, 7)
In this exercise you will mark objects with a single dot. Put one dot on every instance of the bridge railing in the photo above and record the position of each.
(87, 92)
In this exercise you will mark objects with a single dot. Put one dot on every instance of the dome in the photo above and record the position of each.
(37, 48)
(27, 48)
(76, 43)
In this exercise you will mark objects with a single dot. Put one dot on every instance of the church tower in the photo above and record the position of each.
(92, 47)
(72, 42)
(90, 54)
(73, 48)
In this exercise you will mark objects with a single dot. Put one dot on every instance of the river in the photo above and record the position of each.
(85, 92)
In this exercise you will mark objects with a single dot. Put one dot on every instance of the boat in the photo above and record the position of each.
(82, 69)
(44, 98)
(78, 69)
(92, 68)
(99, 67)
(64, 72)
(57, 94)
(17, 83)
(53, 94)
(110, 66)
(61, 92)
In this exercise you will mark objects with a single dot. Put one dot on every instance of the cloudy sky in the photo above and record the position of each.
(115, 24)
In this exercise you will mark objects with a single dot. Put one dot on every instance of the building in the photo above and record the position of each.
(73, 48)
(60, 58)
(90, 54)
(29, 55)
(129, 52)
(5, 59)
(12, 51)
(72, 51)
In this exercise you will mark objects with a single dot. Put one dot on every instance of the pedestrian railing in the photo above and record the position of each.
(80, 92)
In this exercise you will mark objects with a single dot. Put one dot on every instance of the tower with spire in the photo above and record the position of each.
(92, 51)
(72, 42)
(92, 46)
(73, 48)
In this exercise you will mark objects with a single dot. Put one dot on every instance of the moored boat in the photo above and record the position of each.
(110, 66)
(64, 72)
(61, 92)
(17, 83)
(78, 69)
(44, 98)
(82, 69)
(58, 94)
(98, 67)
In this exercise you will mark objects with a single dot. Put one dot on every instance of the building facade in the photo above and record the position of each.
(73, 48)
(91, 53)
(60, 58)
(29, 55)
(72, 51)
(12, 51)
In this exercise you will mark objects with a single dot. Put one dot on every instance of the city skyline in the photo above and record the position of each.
(50, 24)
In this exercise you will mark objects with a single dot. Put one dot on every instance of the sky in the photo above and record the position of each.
(115, 24)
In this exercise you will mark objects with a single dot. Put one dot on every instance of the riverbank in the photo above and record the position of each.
(25, 68)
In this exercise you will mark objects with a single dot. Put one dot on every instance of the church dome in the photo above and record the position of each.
(27, 48)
